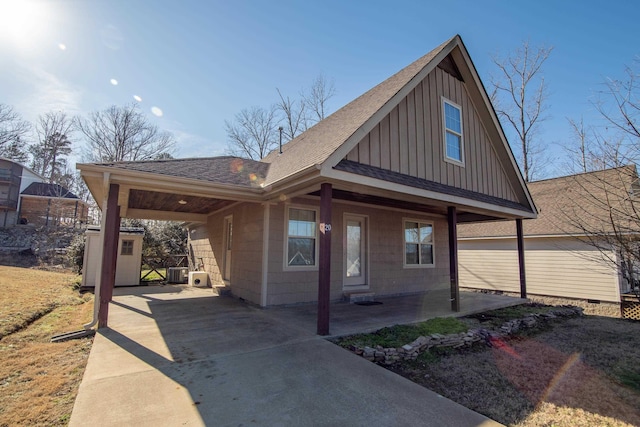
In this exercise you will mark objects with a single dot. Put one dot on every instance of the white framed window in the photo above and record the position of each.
(302, 238)
(453, 140)
(418, 243)
(127, 247)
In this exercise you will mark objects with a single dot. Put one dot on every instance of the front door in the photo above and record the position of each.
(228, 240)
(355, 266)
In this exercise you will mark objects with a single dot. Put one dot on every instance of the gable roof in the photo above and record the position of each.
(316, 144)
(315, 155)
(326, 144)
(43, 189)
(223, 170)
(571, 205)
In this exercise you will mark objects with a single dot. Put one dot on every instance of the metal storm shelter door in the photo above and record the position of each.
(355, 273)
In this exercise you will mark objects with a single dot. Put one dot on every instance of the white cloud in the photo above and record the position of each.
(192, 145)
(46, 92)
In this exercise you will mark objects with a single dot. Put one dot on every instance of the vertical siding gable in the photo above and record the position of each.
(409, 140)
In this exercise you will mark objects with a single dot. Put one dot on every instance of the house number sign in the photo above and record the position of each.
(325, 228)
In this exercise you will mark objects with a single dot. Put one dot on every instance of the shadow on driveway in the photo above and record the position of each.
(186, 357)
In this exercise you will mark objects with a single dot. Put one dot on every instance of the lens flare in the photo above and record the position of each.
(137, 98)
(237, 166)
(62, 46)
(114, 82)
(156, 111)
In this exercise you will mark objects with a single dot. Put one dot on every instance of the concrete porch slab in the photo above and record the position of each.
(175, 355)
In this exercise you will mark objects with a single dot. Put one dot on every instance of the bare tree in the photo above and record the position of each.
(122, 134)
(294, 118)
(587, 151)
(53, 131)
(519, 97)
(606, 204)
(316, 98)
(12, 128)
(253, 133)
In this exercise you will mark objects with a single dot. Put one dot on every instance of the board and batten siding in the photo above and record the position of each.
(409, 140)
(559, 267)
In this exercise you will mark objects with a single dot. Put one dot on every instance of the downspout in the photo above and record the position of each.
(103, 226)
(265, 255)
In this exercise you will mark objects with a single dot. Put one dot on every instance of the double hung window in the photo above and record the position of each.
(453, 142)
(418, 243)
(301, 237)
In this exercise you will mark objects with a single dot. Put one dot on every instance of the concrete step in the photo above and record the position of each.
(359, 296)
(221, 290)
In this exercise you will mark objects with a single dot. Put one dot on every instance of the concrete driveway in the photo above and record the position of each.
(177, 355)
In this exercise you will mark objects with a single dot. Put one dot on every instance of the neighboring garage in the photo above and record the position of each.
(576, 214)
(556, 266)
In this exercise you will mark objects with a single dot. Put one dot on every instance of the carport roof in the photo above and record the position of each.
(223, 170)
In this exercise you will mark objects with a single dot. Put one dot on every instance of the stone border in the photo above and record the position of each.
(412, 350)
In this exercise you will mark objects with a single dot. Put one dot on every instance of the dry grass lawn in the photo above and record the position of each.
(580, 372)
(38, 379)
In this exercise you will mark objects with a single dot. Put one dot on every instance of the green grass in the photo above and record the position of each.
(496, 318)
(630, 378)
(399, 335)
(153, 276)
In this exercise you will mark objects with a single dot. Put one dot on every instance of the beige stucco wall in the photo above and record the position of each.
(559, 267)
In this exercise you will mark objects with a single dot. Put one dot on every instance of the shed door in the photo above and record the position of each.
(355, 249)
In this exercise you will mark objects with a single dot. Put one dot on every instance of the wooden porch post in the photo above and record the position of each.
(523, 276)
(109, 254)
(452, 219)
(324, 259)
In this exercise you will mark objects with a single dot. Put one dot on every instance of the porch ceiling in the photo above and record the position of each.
(157, 201)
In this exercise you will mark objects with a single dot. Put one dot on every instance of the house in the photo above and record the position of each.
(366, 201)
(572, 247)
(26, 199)
(14, 179)
(43, 203)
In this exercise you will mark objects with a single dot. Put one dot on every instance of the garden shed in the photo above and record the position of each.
(129, 257)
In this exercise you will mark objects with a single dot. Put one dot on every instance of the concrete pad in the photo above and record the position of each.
(186, 357)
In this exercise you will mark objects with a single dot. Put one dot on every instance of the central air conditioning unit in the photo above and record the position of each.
(198, 278)
(177, 274)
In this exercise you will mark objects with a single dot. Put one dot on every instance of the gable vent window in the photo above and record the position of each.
(453, 142)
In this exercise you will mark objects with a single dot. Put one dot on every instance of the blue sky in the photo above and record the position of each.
(200, 62)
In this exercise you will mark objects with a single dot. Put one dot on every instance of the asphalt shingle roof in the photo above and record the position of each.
(410, 181)
(221, 170)
(315, 145)
(570, 205)
(44, 189)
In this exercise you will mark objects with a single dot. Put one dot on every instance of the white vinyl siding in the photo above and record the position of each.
(560, 267)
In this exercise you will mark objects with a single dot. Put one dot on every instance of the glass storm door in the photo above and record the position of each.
(355, 273)
(228, 239)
